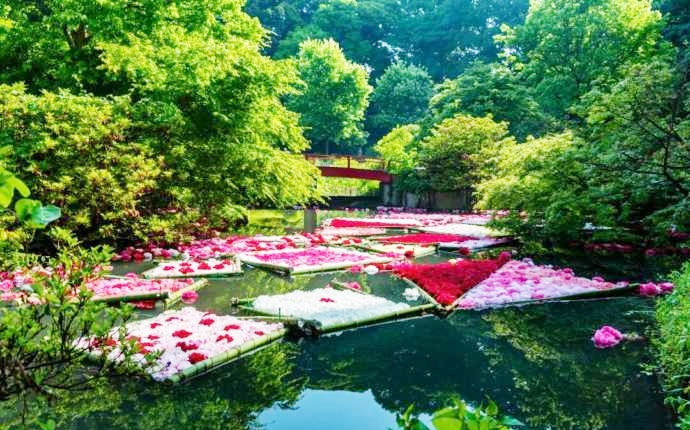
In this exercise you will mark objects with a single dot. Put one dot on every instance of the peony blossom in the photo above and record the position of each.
(606, 337)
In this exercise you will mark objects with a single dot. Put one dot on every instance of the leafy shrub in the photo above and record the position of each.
(673, 315)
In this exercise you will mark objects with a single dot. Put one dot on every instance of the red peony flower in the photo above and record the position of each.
(170, 319)
(154, 325)
(187, 346)
(203, 266)
(219, 266)
(186, 270)
(181, 334)
(207, 321)
(259, 333)
(231, 327)
(153, 337)
(326, 300)
(224, 336)
(409, 253)
(196, 357)
(168, 268)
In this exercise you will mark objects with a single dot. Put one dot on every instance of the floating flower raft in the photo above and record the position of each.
(475, 243)
(195, 268)
(192, 342)
(371, 222)
(520, 282)
(399, 250)
(314, 259)
(334, 309)
(133, 288)
(425, 238)
(444, 283)
(476, 231)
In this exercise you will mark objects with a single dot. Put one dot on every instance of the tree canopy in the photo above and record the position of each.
(333, 97)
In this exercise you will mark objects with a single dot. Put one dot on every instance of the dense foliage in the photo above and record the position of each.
(400, 97)
(333, 97)
(147, 97)
(442, 36)
(673, 314)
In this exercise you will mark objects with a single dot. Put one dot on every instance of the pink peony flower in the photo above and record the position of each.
(189, 297)
(649, 289)
(606, 337)
(666, 287)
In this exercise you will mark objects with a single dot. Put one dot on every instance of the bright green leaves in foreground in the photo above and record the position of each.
(460, 416)
(29, 212)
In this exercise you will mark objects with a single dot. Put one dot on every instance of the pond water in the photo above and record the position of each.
(537, 362)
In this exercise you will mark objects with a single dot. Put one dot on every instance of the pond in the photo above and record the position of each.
(537, 362)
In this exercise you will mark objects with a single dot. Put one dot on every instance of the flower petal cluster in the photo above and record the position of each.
(446, 282)
(520, 281)
(327, 305)
(476, 231)
(133, 285)
(425, 238)
(314, 257)
(188, 336)
(371, 222)
(169, 269)
(651, 289)
(606, 337)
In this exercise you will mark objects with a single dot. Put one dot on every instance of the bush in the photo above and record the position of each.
(673, 315)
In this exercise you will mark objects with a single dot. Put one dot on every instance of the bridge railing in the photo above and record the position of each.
(347, 161)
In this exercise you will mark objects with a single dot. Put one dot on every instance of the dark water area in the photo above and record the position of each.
(536, 362)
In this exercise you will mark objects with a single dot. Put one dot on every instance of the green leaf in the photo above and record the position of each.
(19, 185)
(44, 215)
(491, 409)
(512, 422)
(447, 423)
(448, 412)
(6, 194)
(24, 209)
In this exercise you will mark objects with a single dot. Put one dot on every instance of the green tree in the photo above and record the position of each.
(333, 97)
(169, 87)
(460, 150)
(401, 96)
(640, 150)
(490, 89)
(564, 46)
(398, 148)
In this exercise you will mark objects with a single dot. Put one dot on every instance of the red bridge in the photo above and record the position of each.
(341, 166)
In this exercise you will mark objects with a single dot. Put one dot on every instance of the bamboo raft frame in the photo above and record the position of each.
(226, 357)
(305, 326)
(598, 294)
